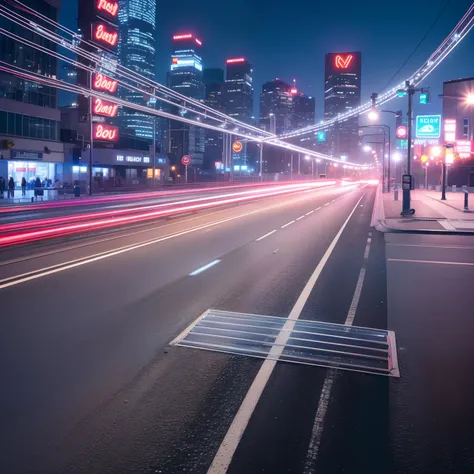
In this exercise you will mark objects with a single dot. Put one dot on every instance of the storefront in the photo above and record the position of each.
(32, 165)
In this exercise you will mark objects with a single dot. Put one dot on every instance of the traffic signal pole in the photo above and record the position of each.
(406, 209)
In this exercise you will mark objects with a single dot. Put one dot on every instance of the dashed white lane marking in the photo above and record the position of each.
(204, 268)
(223, 457)
(266, 235)
(318, 208)
(276, 250)
(287, 224)
(309, 213)
(327, 204)
(301, 217)
(318, 426)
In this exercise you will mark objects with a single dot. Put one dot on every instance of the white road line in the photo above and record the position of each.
(204, 268)
(429, 261)
(327, 204)
(318, 425)
(287, 224)
(229, 444)
(301, 217)
(275, 251)
(457, 247)
(318, 208)
(447, 225)
(266, 235)
(309, 213)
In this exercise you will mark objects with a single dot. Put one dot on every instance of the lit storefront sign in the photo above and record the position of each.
(104, 107)
(27, 155)
(463, 148)
(106, 132)
(186, 62)
(426, 141)
(104, 83)
(105, 34)
(108, 7)
(133, 159)
(449, 130)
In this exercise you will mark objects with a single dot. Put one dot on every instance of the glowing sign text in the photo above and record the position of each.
(108, 133)
(294, 91)
(199, 42)
(107, 6)
(235, 60)
(104, 83)
(343, 62)
(107, 36)
(103, 107)
(182, 37)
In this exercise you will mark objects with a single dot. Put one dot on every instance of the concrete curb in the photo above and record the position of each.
(382, 226)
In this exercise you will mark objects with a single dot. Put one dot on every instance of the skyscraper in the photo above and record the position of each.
(238, 91)
(304, 109)
(186, 77)
(276, 107)
(342, 94)
(29, 114)
(214, 83)
(136, 51)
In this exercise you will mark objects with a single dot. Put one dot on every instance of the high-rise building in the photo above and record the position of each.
(304, 109)
(276, 107)
(238, 91)
(186, 77)
(137, 51)
(30, 144)
(214, 82)
(342, 94)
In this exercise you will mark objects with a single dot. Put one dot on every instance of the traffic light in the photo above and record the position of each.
(425, 98)
(401, 93)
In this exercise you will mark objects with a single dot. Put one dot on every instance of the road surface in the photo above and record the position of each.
(93, 385)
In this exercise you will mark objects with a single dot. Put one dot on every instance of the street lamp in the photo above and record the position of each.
(373, 115)
(367, 148)
(470, 99)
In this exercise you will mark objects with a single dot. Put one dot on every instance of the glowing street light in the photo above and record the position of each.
(470, 99)
(367, 148)
(373, 115)
(397, 156)
(307, 157)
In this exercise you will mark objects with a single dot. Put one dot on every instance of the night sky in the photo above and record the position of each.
(289, 39)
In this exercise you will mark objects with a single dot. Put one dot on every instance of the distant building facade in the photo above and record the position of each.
(276, 107)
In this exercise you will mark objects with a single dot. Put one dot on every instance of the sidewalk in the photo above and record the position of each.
(431, 214)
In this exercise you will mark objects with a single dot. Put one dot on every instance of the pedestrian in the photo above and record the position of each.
(11, 188)
(2, 186)
(23, 186)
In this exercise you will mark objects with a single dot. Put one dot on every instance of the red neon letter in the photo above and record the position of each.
(343, 62)
(107, 6)
(104, 83)
(103, 107)
(109, 37)
(105, 132)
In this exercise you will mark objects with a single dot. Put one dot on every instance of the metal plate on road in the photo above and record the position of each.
(302, 342)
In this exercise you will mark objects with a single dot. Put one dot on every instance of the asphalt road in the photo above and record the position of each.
(91, 384)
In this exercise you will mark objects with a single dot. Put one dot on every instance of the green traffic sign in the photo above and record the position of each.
(428, 126)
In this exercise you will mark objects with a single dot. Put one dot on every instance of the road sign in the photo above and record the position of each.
(186, 160)
(321, 136)
(237, 147)
(428, 126)
(402, 131)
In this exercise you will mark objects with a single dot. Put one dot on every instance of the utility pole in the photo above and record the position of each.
(261, 162)
(291, 168)
(91, 123)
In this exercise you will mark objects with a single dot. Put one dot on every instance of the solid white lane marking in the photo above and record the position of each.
(204, 268)
(309, 213)
(287, 224)
(447, 225)
(319, 419)
(429, 261)
(266, 235)
(301, 217)
(457, 247)
(223, 457)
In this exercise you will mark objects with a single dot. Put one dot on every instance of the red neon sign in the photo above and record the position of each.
(104, 107)
(294, 91)
(107, 6)
(105, 132)
(182, 37)
(343, 62)
(105, 35)
(104, 83)
(199, 42)
(235, 60)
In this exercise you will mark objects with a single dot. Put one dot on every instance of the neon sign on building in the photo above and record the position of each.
(343, 61)
(104, 34)
(104, 83)
(107, 133)
(107, 6)
(235, 60)
(104, 107)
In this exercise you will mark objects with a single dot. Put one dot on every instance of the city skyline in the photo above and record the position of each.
(304, 39)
